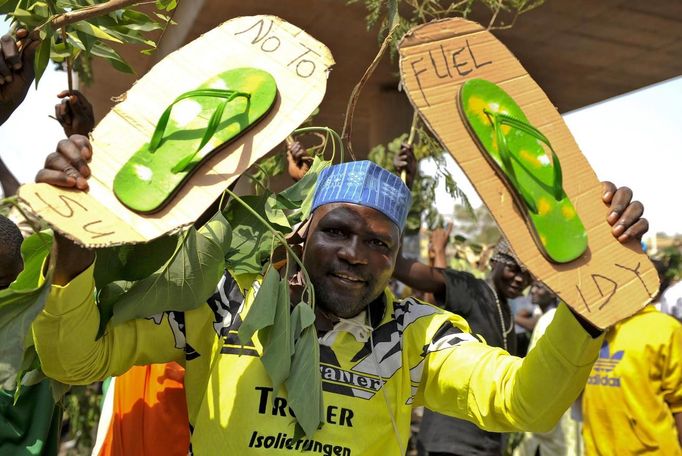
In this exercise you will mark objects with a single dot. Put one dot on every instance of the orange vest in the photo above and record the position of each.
(149, 415)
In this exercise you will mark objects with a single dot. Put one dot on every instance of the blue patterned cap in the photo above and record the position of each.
(367, 184)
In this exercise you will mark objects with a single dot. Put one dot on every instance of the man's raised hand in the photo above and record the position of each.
(68, 165)
(16, 70)
(625, 215)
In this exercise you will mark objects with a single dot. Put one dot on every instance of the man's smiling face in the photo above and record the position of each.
(350, 254)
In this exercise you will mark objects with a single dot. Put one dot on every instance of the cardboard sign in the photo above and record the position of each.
(300, 65)
(610, 281)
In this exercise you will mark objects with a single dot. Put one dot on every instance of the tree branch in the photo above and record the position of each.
(92, 11)
(347, 130)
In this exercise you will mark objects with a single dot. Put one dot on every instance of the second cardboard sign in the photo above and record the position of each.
(515, 148)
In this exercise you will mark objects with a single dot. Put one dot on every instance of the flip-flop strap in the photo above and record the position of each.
(556, 189)
(211, 128)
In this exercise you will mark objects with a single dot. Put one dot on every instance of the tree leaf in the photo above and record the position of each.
(42, 58)
(7, 6)
(251, 240)
(75, 40)
(133, 262)
(274, 213)
(88, 40)
(102, 50)
(185, 281)
(262, 312)
(107, 297)
(95, 31)
(27, 18)
(304, 385)
(20, 303)
(304, 187)
(59, 390)
(278, 349)
(167, 5)
(302, 317)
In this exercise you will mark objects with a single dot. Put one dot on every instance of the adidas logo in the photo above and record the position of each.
(607, 361)
(604, 365)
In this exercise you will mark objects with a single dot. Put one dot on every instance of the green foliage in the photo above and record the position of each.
(84, 39)
(133, 262)
(252, 242)
(304, 385)
(20, 303)
(266, 169)
(185, 281)
(262, 312)
(277, 348)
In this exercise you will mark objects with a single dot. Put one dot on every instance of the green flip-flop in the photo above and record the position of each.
(195, 126)
(528, 165)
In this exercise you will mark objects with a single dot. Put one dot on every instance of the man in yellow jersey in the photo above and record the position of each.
(379, 356)
(632, 403)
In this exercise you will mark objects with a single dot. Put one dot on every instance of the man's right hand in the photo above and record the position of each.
(68, 167)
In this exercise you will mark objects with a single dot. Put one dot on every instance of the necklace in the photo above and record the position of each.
(505, 330)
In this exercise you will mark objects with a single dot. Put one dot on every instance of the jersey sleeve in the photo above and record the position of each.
(65, 336)
(671, 381)
(503, 393)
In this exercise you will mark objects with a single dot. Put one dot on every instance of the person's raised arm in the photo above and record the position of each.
(502, 393)
(420, 276)
(67, 167)
(16, 71)
(438, 243)
(66, 330)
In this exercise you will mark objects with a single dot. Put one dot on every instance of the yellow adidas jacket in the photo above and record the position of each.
(635, 388)
(422, 355)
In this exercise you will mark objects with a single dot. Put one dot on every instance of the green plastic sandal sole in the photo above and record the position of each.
(530, 170)
(152, 176)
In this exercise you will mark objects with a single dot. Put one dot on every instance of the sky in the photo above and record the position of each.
(633, 139)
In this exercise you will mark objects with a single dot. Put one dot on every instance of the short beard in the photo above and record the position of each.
(338, 307)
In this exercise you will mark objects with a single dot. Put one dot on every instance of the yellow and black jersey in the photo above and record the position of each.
(374, 369)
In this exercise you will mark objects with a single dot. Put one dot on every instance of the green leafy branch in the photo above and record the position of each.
(73, 31)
